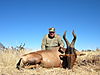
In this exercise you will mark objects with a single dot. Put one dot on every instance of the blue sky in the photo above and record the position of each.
(27, 21)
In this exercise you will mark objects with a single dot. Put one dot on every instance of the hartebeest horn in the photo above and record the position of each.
(74, 39)
(64, 37)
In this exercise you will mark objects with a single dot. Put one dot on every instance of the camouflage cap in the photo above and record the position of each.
(51, 29)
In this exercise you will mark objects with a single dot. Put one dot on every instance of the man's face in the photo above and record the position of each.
(52, 34)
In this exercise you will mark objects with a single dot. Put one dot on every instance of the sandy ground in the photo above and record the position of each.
(88, 64)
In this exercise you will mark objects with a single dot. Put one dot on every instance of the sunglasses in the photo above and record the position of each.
(51, 32)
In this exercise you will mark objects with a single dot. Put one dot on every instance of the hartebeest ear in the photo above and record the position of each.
(62, 50)
(74, 39)
(66, 41)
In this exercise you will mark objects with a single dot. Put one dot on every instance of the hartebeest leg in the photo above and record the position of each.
(32, 66)
(28, 60)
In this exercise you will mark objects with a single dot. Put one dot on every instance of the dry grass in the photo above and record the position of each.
(88, 64)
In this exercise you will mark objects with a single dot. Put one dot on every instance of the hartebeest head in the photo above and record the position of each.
(70, 54)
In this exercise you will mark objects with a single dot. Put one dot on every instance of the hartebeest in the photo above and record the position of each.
(57, 57)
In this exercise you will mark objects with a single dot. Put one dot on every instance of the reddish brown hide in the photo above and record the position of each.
(50, 58)
(45, 58)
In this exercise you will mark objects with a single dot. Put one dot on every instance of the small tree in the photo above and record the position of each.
(97, 49)
(21, 47)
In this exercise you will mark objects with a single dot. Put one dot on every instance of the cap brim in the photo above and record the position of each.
(51, 31)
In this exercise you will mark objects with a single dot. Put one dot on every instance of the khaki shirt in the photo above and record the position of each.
(48, 43)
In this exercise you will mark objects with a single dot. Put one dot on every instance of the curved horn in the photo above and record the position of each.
(64, 37)
(74, 39)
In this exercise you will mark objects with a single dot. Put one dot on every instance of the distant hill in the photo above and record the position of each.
(2, 46)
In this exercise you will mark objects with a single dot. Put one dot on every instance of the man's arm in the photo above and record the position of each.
(43, 43)
(60, 41)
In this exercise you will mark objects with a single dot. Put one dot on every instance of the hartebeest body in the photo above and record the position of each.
(57, 57)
